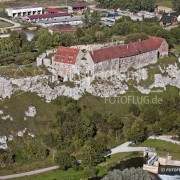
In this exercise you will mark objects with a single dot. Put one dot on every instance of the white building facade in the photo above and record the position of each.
(24, 11)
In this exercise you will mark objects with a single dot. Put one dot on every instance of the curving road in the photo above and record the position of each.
(15, 24)
(29, 173)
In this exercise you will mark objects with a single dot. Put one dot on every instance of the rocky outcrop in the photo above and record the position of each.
(31, 112)
(111, 86)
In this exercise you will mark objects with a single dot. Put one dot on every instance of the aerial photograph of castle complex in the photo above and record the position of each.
(90, 89)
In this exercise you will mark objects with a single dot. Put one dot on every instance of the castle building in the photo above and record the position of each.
(110, 60)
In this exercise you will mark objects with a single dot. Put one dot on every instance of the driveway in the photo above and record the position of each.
(125, 148)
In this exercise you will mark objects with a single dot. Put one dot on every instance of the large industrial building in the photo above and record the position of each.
(56, 16)
(74, 21)
(24, 11)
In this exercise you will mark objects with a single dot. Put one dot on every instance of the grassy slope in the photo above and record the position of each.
(18, 104)
(167, 3)
(163, 148)
(16, 107)
(76, 175)
(58, 175)
(4, 24)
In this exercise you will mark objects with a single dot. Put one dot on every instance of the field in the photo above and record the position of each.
(167, 3)
(18, 3)
(4, 24)
(163, 148)
(77, 175)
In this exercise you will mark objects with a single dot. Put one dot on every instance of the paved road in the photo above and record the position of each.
(165, 138)
(29, 173)
(170, 27)
(15, 24)
(125, 148)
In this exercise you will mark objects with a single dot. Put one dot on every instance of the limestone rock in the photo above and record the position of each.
(1, 112)
(31, 112)
(21, 133)
(3, 142)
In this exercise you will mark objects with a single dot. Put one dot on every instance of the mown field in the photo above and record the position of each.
(4, 24)
(71, 174)
(167, 3)
(163, 148)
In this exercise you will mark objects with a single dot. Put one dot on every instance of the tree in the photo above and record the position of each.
(151, 115)
(65, 160)
(128, 174)
(90, 172)
(67, 39)
(44, 41)
(92, 153)
(148, 5)
(137, 132)
(85, 128)
(176, 5)
(135, 37)
(91, 19)
(134, 109)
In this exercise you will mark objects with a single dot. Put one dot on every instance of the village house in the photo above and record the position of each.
(77, 7)
(51, 10)
(168, 19)
(108, 61)
(66, 62)
(63, 28)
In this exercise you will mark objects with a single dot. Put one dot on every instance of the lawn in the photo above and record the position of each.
(163, 148)
(71, 174)
(167, 3)
(4, 24)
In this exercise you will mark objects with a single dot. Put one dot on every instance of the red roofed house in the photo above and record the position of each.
(51, 10)
(110, 60)
(77, 7)
(137, 54)
(66, 60)
(63, 28)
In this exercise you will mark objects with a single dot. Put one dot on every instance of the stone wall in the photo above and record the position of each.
(115, 66)
(163, 49)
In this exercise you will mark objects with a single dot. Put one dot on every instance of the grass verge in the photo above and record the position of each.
(163, 148)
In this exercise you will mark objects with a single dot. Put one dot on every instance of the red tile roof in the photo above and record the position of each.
(41, 16)
(66, 55)
(63, 28)
(127, 50)
(53, 10)
(79, 6)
